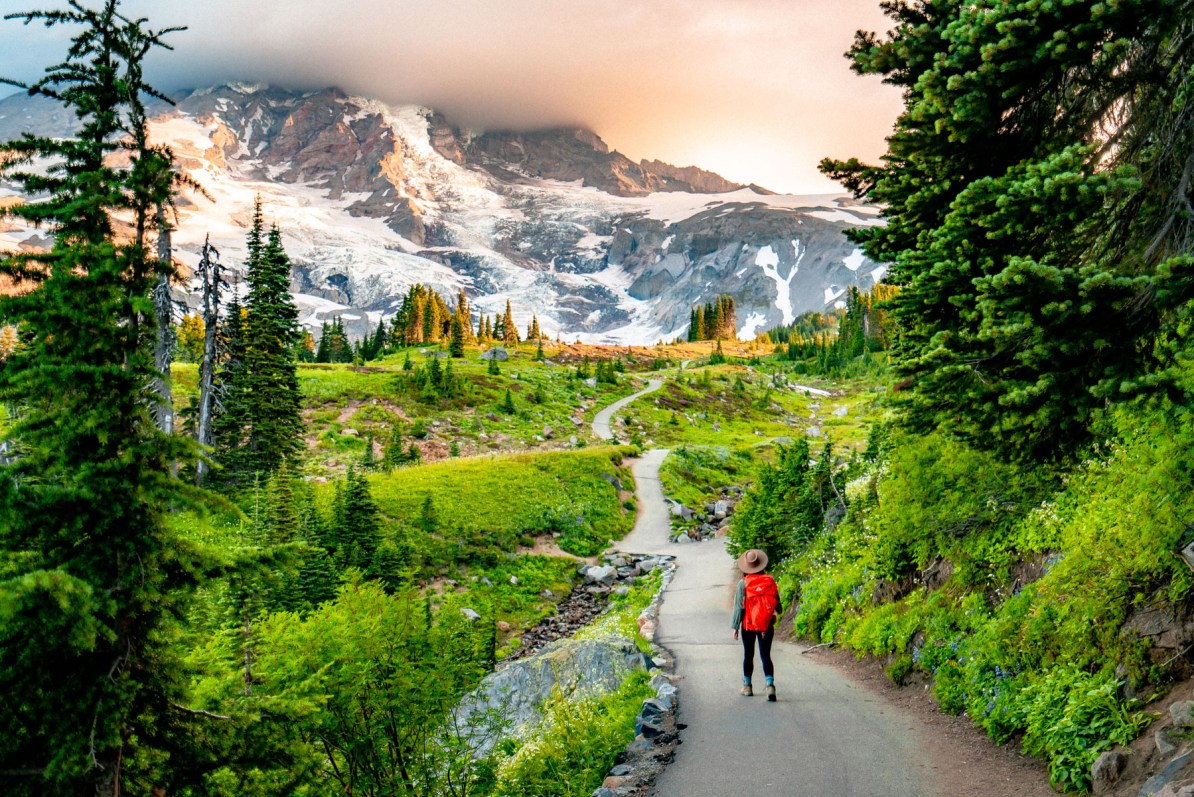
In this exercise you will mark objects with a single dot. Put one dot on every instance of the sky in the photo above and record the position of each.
(756, 90)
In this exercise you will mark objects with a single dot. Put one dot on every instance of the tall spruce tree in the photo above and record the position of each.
(93, 576)
(262, 428)
(1037, 191)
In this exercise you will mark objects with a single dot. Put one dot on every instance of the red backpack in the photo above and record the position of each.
(760, 603)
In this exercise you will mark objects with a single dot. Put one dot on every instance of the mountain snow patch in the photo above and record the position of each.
(854, 260)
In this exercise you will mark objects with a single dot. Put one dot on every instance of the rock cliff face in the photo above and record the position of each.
(372, 199)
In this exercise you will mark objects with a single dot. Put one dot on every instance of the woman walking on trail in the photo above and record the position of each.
(756, 605)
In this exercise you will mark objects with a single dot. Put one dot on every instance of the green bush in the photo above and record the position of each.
(579, 740)
(1043, 570)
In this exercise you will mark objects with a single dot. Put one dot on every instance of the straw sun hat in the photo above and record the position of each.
(753, 561)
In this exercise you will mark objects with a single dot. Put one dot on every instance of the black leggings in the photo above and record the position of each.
(748, 650)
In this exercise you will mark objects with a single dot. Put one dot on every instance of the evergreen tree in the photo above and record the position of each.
(394, 454)
(266, 404)
(360, 520)
(509, 328)
(456, 347)
(189, 337)
(508, 403)
(1037, 197)
(94, 577)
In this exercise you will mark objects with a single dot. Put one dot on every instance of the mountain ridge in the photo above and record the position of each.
(372, 198)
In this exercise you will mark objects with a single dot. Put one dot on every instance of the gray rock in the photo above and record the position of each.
(1153, 786)
(350, 432)
(621, 770)
(603, 574)
(577, 667)
(1182, 713)
(1165, 742)
(548, 433)
(471, 614)
(842, 411)
(622, 590)
(1107, 768)
(591, 382)
(514, 580)
(573, 440)
(683, 538)
(496, 353)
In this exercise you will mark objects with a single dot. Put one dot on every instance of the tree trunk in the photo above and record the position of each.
(163, 353)
(209, 273)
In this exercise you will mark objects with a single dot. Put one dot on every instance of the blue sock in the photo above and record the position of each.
(771, 680)
(745, 681)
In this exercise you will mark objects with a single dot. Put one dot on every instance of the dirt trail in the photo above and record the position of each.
(829, 734)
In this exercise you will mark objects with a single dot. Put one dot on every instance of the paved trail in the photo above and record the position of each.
(825, 737)
(601, 422)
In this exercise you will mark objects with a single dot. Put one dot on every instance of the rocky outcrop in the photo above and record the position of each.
(569, 154)
(696, 179)
(577, 668)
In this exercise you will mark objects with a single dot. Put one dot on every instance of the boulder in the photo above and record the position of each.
(1165, 742)
(516, 692)
(601, 574)
(1106, 770)
(471, 614)
(1182, 713)
(496, 353)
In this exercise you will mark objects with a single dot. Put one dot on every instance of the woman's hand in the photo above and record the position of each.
(735, 634)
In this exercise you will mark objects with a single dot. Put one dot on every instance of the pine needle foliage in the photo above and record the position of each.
(91, 578)
(1038, 189)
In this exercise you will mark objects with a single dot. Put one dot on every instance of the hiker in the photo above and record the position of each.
(756, 606)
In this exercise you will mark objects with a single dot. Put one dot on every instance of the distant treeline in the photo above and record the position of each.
(831, 340)
(716, 320)
(424, 317)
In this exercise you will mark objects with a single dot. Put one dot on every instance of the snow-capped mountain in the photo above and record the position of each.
(371, 199)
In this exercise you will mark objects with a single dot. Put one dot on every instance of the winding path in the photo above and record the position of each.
(825, 737)
(601, 422)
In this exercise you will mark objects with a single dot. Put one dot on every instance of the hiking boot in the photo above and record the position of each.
(770, 693)
(747, 691)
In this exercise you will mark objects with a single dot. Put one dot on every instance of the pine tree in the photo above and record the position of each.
(456, 347)
(1037, 195)
(509, 329)
(360, 520)
(508, 403)
(394, 454)
(94, 577)
(266, 405)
